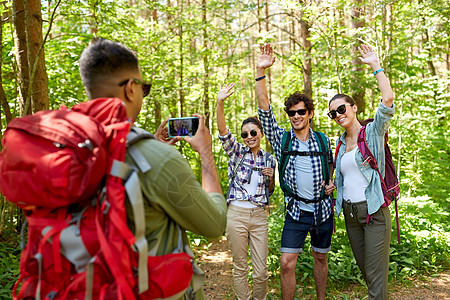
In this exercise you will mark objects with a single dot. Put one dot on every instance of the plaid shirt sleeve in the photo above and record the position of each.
(230, 145)
(271, 129)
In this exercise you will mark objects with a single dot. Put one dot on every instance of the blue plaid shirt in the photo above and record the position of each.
(236, 152)
(275, 135)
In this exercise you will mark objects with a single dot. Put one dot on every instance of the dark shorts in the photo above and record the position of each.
(295, 232)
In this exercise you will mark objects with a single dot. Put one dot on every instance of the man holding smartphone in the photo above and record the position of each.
(173, 198)
(309, 207)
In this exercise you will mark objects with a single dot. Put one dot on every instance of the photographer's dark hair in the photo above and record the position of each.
(346, 98)
(103, 59)
(253, 120)
(296, 98)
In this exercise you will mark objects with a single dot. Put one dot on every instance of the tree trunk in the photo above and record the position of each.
(21, 53)
(3, 99)
(180, 35)
(205, 66)
(307, 69)
(38, 94)
(358, 93)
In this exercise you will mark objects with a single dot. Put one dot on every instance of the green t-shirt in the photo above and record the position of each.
(172, 195)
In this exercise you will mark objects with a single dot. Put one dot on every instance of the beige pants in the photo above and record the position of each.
(248, 227)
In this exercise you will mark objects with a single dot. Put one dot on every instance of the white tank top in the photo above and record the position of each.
(354, 181)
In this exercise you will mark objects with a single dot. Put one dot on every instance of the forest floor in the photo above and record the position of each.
(217, 264)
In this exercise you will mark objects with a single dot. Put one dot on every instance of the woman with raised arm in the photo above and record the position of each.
(251, 182)
(359, 191)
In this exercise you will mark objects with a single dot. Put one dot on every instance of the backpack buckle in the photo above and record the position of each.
(86, 144)
(366, 162)
(106, 208)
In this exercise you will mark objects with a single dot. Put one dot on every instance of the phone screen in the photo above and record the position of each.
(183, 126)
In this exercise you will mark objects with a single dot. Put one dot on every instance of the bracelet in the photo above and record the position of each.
(260, 78)
(378, 71)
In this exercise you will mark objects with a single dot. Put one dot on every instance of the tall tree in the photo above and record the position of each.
(358, 92)
(205, 65)
(21, 53)
(38, 93)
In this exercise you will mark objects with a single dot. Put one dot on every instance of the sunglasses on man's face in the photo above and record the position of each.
(253, 132)
(300, 112)
(145, 85)
(340, 109)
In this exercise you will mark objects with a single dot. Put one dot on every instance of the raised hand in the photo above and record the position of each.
(266, 58)
(368, 56)
(225, 92)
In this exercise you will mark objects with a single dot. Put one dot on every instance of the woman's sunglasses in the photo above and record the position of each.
(300, 112)
(341, 109)
(253, 132)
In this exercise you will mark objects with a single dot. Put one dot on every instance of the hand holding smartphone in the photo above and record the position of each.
(183, 126)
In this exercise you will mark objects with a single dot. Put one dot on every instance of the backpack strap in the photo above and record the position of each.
(133, 189)
(323, 146)
(338, 146)
(136, 134)
(266, 178)
(368, 158)
(286, 147)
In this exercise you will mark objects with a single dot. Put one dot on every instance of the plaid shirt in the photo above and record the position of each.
(236, 152)
(275, 135)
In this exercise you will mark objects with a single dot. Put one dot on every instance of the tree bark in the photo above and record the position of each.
(3, 99)
(21, 53)
(38, 94)
(307, 68)
(205, 66)
(358, 93)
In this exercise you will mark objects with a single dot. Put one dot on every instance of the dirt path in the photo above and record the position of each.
(217, 264)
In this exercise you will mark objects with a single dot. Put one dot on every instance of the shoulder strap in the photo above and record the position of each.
(324, 157)
(266, 178)
(337, 151)
(367, 155)
(286, 147)
(135, 135)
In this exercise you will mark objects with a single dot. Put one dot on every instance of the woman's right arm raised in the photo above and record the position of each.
(224, 92)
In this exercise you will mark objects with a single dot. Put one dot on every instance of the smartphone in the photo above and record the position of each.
(183, 126)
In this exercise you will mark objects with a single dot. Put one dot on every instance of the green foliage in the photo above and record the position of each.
(9, 268)
(188, 58)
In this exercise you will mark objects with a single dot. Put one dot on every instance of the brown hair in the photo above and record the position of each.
(296, 98)
(346, 98)
(253, 120)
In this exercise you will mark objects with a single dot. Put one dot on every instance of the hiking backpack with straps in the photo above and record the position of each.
(389, 184)
(286, 152)
(65, 168)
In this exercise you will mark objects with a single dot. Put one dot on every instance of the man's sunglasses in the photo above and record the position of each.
(253, 132)
(341, 109)
(300, 112)
(145, 85)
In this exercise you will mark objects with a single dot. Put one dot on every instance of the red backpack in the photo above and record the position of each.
(66, 169)
(389, 184)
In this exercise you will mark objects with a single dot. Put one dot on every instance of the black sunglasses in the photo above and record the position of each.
(300, 112)
(253, 132)
(340, 109)
(145, 85)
